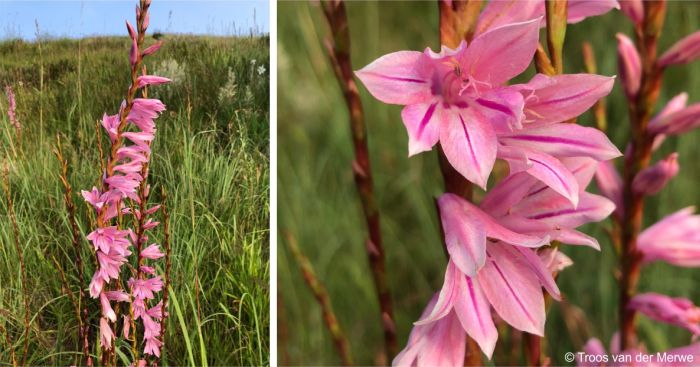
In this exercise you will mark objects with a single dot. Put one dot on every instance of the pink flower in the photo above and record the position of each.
(106, 237)
(675, 311)
(98, 199)
(554, 259)
(107, 310)
(629, 64)
(144, 288)
(683, 51)
(451, 95)
(152, 49)
(152, 347)
(12, 106)
(96, 285)
(500, 12)
(145, 80)
(652, 179)
(441, 343)
(126, 184)
(678, 120)
(152, 252)
(458, 97)
(596, 356)
(675, 239)
(106, 334)
(126, 325)
(118, 296)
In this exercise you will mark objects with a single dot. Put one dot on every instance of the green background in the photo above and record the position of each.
(319, 206)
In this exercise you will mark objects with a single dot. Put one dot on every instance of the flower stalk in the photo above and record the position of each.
(338, 47)
(638, 158)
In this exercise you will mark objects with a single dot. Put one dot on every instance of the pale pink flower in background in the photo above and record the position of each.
(676, 118)
(145, 80)
(610, 185)
(653, 178)
(630, 65)
(675, 311)
(500, 12)
(144, 288)
(675, 239)
(12, 107)
(152, 252)
(686, 356)
(107, 310)
(682, 52)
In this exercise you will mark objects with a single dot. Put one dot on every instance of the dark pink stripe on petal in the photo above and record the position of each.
(513, 293)
(474, 305)
(426, 118)
(551, 139)
(495, 106)
(563, 182)
(469, 143)
(395, 78)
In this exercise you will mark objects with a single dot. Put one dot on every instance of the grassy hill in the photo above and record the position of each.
(211, 154)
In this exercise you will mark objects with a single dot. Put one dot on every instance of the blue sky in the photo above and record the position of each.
(91, 17)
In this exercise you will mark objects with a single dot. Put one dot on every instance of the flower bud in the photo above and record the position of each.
(134, 53)
(132, 33)
(633, 9)
(629, 64)
(652, 179)
(676, 123)
(683, 52)
(675, 311)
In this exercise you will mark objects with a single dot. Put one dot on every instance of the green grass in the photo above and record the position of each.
(319, 205)
(210, 154)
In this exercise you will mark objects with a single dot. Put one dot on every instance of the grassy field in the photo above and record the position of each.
(211, 153)
(319, 206)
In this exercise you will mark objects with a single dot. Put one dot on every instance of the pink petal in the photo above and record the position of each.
(610, 184)
(502, 53)
(652, 179)
(578, 10)
(574, 237)
(513, 291)
(564, 140)
(445, 344)
(145, 80)
(469, 143)
(465, 238)
(562, 97)
(538, 268)
(555, 212)
(678, 122)
(423, 123)
(474, 313)
(499, 13)
(545, 168)
(399, 78)
(683, 51)
(507, 193)
(454, 282)
(502, 107)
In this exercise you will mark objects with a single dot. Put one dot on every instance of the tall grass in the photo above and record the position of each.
(211, 155)
(318, 204)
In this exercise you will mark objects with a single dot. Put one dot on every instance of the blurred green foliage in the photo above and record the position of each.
(319, 206)
(211, 154)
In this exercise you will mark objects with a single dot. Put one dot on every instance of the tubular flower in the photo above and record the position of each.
(675, 311)
(459, 98)
(675, 239)
(652, 179)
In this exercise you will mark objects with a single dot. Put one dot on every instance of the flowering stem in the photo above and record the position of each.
(457, 23)
(338, 46)
(601, 121)
(321, 295)
(640, 110)
(83, 325)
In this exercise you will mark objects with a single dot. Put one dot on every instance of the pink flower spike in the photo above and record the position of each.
(145, 80)
(152, 49)
(152, 252)
(675, 239)
(106, 334)
(144, 289)
(12, 106)
(683, 51)
(652, 179)
(629, 64)
(633, 9)
(675, 311)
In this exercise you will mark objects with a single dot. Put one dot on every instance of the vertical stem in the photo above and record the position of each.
(638, 158)
(556, 11)
(457, 22)
(601, 120)
(338, 46)
(23, 269)
(321, 295)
